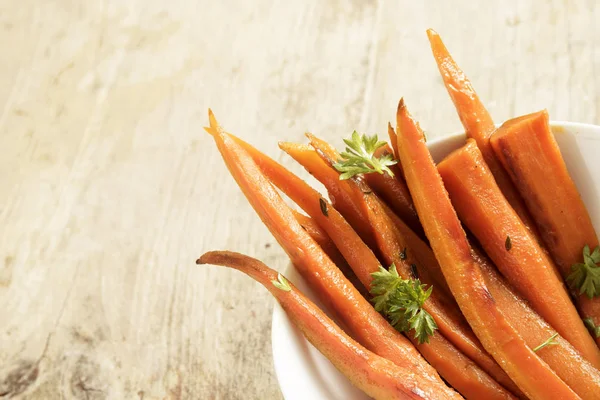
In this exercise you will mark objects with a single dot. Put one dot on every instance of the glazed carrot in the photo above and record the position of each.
(530, 154)
(477, 122)
(394, 192)
(339, 191)
(393, 141)
(394, 248)
(329, 247)
(463, 271)
(462, 373)
(562, 357)
(392, 189)
(568, 364)
(484, 210)
(374, 375)
(364, 323)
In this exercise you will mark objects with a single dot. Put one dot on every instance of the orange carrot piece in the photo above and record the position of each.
(374, 375)
(393, 141)
(530, 154)
(365, 324)
(562, 357)
(484, 210)
(392, 189)
(392, 244)
(339, 191)
(394, 192)
(463, 271)
(329, 247)
(477, 122)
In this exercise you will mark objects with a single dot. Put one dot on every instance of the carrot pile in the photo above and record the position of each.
(508, 309)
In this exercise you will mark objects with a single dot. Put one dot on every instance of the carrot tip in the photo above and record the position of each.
(431, 33)
(401, 104)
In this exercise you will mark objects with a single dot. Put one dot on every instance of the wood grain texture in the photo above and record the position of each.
(110, 189)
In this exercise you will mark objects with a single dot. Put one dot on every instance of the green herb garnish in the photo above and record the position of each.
(401, 301)
(281, 283)
(359, 157)
(585, 276)
(548, 342)
(594, 330)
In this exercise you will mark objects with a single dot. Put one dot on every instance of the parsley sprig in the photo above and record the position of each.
(401, 301)
(548, 342)
(594, 330)
(359, 157)
(585, 276)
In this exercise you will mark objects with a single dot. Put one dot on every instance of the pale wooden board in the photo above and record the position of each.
(110, 189)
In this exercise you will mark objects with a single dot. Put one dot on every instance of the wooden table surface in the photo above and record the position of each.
(110, 188)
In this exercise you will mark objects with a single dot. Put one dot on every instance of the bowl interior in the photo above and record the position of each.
(304, 373)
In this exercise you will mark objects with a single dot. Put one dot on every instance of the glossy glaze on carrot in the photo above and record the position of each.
(374, 375)
(365, 324)
(565, 361)
(450, 321)
(531, 156)
(488, 215)
(477, 122)
(322, 238)
(463, 271)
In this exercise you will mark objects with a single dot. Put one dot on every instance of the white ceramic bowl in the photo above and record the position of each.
(304, 373)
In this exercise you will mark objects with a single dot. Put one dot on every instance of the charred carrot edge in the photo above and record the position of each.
(484, 210)
(477, 122)
(562, 357)
(463, 271)
(528, 150)
(329, 247)
(450, 321)
(366, 325)
(374, 375)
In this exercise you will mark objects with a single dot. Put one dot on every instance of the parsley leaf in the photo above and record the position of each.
(548, 342)
(586, 276)
(594, 330)
(401, 301)
(281, 283)
(359, 157)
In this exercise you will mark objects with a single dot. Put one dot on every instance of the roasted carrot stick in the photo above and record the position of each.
(394, 248)
(320, 236)
(476, 120)
(364, 323)
(394, 192)
(392, 189)
(463, 271)
(393, 140)
(568, 364)
(530, 154)
(374, 375)
(484, 210)
(342, 196)
(562, 357)
(339, 191)
(439, 352)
